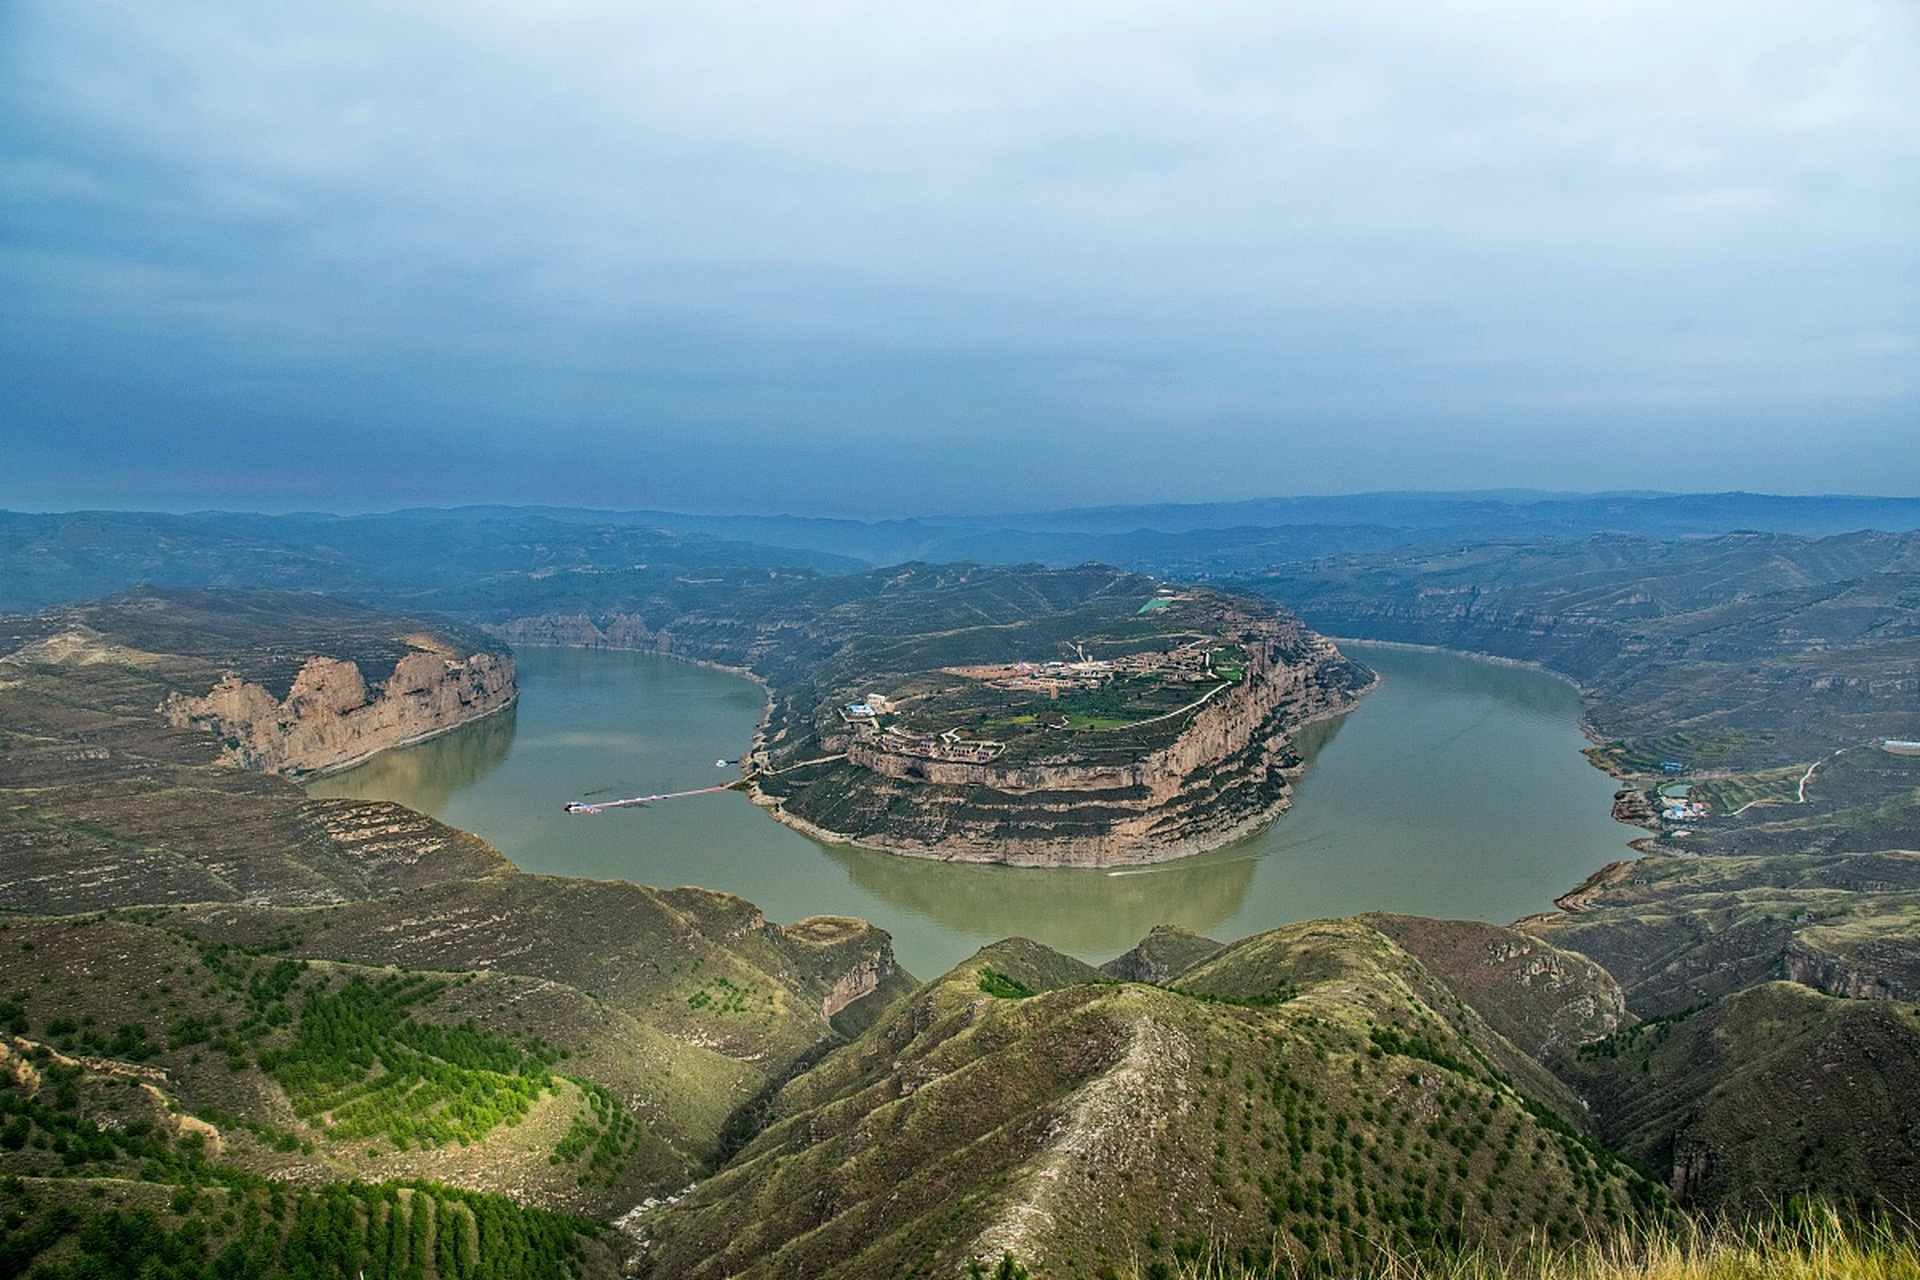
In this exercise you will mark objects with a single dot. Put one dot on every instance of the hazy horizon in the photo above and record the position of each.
(1515, 497)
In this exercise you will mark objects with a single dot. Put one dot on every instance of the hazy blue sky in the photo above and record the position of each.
(881, 259)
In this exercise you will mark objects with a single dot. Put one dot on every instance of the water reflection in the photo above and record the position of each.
(1092, 914)
(429, 774)
(1309, 740)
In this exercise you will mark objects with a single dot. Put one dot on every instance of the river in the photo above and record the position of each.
(1456, 789)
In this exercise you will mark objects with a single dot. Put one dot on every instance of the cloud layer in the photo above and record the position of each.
(886, 258)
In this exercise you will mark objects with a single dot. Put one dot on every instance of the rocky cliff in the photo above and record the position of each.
(1772, 1093)
(1873, 969)
(582, 631)
(332, 718)
(1224, 774)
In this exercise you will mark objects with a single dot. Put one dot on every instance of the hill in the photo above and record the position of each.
(1773, 1092)
(208, 979)
(1741, 688)
(1731, 654)
(1313, 1098)
(596, 1045)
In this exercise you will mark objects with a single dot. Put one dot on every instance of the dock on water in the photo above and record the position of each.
(639, 802)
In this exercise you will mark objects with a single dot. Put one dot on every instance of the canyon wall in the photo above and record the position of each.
(583, 631)
(331, 718)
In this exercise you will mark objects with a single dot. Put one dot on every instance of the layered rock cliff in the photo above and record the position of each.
(1225, 773)
(1874, 969)
(332, 718)
(582, 631)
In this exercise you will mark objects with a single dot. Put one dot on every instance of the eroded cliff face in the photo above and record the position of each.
(1543, 999)
(1227, 773)
(584, 631)
(1872, 969)
(331, 718)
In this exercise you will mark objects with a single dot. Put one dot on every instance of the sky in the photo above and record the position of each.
(934, 258)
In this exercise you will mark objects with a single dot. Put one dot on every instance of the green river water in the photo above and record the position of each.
(1456, 789)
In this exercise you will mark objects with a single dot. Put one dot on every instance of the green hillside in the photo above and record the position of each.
(1309, 1098)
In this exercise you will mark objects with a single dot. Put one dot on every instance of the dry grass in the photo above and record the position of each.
(1816, 1244)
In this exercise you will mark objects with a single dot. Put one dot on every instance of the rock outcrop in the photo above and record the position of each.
(1541, 998)
(1162, 956)
(1875, 969)
(1773, 1092)
(854, 957)
(331, 718)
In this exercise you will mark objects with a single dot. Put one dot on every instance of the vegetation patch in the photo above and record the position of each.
(601, 1138)
(251, 1228)
(1285, 993)
(725, 996)
(1653, 1031)
(1387, 1040)
(358, 1066)
(1001, 987)
(1798, 1242)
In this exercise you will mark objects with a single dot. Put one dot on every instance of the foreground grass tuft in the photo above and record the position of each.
(1811, 1244)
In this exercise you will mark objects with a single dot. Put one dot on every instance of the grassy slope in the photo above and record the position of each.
(1814, 1243)
(1772, 1092)
(1313, 1091)
(1680, 931)
(1746, 651)
(1749, 659)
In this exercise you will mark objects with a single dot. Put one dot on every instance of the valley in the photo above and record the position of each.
(1724, 1023)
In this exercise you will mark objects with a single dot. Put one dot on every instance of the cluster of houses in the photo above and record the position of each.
(1051, 678)
(946, 746)
(864, 717)
(1676, 806)
(1680, 809)
(1191, 660)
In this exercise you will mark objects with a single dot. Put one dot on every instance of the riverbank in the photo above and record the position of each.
(1478, 656)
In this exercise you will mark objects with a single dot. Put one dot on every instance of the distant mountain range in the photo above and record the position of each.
(48, 559)
(1163, 537)
(1216, 538)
